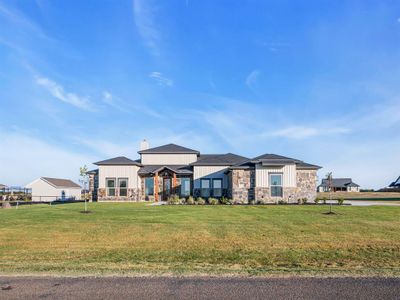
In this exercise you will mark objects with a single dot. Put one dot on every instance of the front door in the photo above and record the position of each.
(166, 188)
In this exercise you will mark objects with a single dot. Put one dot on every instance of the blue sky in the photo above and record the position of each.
(82, 81)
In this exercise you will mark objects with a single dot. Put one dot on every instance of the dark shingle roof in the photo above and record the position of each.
(306, 166)
(58, 182)
(275, 160)
(120, 160)
(178, 169)
(339, 182)
(228, 159)
(170, 148)
(273, 156)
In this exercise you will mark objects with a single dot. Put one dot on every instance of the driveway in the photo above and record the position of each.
(198, 288)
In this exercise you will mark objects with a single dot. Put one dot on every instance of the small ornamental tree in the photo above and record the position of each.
(84, 178)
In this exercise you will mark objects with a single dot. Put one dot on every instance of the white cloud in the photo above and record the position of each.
(58, 92)
(144, 15)
(24, 158)
(301, 132)
(160, 79)
(252, 78)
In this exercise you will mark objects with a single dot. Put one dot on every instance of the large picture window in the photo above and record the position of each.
(149, 186)
(217, 187)
(276, 185)
(205, 187)
(185, 187)
(123, 187)
(110, 187)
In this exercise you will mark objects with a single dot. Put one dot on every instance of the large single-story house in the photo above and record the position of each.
(172, 169)
(339, 185)
(52, 189)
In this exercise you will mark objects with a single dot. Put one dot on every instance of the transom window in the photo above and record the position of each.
(276, 185)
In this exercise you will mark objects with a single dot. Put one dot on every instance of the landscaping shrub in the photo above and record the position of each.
(200, 201)
(282, 202)
(190, 200)
(316, 200)
(213, 201)
(324, 200)
(340, 200)
(252, 202)
(304, 200)
(260, 202)
(237, 201)
(225, 201)
(173, 200)
(299, 201)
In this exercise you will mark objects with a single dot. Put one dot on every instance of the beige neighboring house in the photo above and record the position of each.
(51, 189)
(2, 186)
(172, 169)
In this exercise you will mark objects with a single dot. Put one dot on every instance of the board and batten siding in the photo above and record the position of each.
(130, 172)
(288, 175)
(209, 172)
(168, 159)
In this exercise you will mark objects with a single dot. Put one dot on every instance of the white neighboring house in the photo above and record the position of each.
(52, 189)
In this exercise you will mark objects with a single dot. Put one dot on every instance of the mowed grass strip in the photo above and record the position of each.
(133, 238)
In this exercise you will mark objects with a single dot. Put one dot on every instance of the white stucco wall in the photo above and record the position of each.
(288, 175)
(43, 191)
(130, 172)
(209, 172)
(168, 159)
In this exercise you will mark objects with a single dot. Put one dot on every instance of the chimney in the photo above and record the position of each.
(144, 145)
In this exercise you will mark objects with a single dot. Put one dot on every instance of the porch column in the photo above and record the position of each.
(156, 187)
(174, 184)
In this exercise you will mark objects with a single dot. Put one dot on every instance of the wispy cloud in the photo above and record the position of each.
(302, 132)
(58, 92)
(18, 19)
(252, 78)
(144, 13)
(160, 79)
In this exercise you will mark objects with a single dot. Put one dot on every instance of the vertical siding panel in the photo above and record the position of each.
(288, 175)
(168, 159)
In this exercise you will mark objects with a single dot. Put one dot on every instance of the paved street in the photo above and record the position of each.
(198, 288)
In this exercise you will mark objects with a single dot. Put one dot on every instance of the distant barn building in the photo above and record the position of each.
(339, 185)
(52, 189)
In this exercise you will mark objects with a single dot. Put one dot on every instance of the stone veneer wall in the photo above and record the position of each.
(306, 184)
(241, 185)
(133, 195)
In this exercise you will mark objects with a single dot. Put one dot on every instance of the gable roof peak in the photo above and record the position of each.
(169, 148)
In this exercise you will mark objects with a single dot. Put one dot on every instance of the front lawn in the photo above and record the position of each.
(132, 238)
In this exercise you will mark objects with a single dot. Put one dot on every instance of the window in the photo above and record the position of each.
(205, 187)
(276, 185)
(123, 186)
(149, 186)
(110, 187)
(217, 187)
(185, 187)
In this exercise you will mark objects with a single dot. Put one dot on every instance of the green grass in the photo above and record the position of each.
(132, 238)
